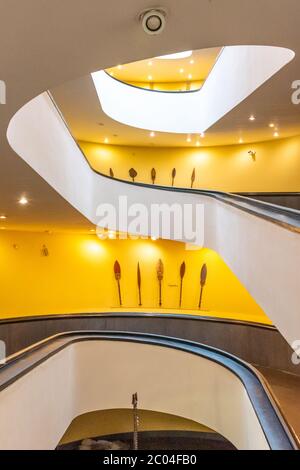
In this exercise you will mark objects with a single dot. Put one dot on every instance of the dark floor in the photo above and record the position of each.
(158, 440)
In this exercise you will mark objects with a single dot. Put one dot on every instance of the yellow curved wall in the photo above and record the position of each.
(106, 422)
(230, 168)
(78, 277)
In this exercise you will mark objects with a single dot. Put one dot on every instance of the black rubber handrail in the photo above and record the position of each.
(128, 314)
(283, 216)
(273, 424)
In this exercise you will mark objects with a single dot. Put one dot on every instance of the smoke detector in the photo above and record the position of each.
(153, 21)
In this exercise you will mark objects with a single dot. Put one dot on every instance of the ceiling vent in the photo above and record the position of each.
(153, 21)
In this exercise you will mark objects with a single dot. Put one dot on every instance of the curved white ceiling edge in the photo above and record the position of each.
(263, 255)
(238, 72)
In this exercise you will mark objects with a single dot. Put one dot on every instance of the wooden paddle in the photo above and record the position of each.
(160, 276)
(117, 271)
(203, 277)
(139, 281)
(173, 175)
(132, 174)
(193, 177)
(153, 175)
(182, 273)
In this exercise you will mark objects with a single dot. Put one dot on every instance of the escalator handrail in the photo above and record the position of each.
(278, 433)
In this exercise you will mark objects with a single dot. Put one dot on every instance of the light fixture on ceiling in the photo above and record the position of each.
(252, 118)
(153, 21)
(152, 134)
(189, 139)
(106, 141)
(192, 61)
(150, 78)
(119, 67)
(3, 217)
(272, 125)
(176, 56)
(190, 76)
(181, 70)
(276, 134)
(241, 141)
(150, 63)
(23, 201)
(111, 235)
(198, 143)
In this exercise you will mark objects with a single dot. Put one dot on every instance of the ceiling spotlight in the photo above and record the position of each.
(252, 118)
(111, 235)
(119, 67)
(23, 201)
(106, 141)
(276, 134)
(153, 21)
(241, 141)
(188, 139)
(3, 217)
(181, 70)
(150, 63)
(150, 77)
(271, 125)
(152, 134)
(190, 76)
(198, 144)
(192, 61)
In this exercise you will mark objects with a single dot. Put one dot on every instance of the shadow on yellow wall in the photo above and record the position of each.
(77, 277)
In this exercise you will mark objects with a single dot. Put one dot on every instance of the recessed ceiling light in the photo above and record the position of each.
(177, 55)
(106, 141)
(150, 63)
(276, 134)
(23, 201)
(252, 118)
(198, 144)
(190, 76)
(152, 134)
(241, 141)
(181, 70)
(120, 67)
(272, 125)
(192, 61)
(3, 217)
(150, 77)
(188, 139)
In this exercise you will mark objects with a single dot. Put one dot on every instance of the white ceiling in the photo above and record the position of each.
(46, 44)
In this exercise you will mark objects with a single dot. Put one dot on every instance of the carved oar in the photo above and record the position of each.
(132, 174)
(153, 175)
(135, 421)
(182, 273)
(193, 177)
(160, 276)
(173, 175)
(117, 270)
(139, 281)
(203, 277)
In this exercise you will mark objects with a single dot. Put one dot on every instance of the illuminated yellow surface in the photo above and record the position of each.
(77, 277)
(231, 168)
(106, 422)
